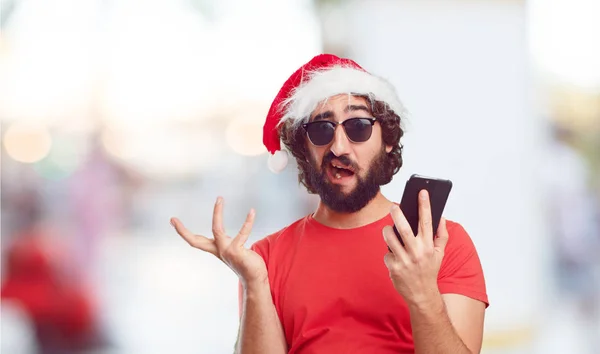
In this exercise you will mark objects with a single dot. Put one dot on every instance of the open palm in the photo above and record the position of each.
(247, 264)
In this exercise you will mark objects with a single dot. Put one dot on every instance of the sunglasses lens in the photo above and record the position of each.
(320, 133)
(358, 129)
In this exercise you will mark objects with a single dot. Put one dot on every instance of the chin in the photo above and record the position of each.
(346, 190)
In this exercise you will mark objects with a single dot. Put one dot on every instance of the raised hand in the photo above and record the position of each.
(247, 264)
(415, 267)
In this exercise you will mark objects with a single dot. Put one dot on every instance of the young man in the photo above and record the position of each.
(328, 283)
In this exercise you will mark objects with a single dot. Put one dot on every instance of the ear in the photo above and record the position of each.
(388, 148)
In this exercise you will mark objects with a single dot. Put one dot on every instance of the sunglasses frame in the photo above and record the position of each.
(335, 125)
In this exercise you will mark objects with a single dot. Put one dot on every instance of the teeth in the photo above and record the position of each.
(338, 176)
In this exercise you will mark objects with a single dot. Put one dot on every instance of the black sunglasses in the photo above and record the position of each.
(321, 132)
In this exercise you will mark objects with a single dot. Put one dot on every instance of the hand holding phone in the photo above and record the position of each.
(438, 189)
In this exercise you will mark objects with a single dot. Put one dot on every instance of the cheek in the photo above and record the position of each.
(369, 154)
(315, 156)
(377, 141)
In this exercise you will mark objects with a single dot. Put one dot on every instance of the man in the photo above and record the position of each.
(327, 283)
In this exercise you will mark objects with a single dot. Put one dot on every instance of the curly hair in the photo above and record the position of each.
(294, 139)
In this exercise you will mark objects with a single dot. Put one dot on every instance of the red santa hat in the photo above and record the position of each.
(322, 77)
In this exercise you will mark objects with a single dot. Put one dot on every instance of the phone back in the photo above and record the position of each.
(439, 190)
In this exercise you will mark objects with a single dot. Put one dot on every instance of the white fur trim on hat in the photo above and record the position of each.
(323, 84)
(278, 161)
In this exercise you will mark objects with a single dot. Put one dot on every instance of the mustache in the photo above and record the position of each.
(344, 159)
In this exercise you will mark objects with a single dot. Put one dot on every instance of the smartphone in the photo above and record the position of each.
(439, 190)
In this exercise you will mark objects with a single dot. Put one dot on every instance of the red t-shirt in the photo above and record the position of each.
(333, 293)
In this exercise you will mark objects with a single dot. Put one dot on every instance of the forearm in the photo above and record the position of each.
(433, 332)
(260, 328)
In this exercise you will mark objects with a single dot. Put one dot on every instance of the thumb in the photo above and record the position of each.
(442, 235)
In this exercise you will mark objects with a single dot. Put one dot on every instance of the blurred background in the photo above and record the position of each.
(117, 115)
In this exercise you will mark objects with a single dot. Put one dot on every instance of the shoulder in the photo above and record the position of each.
(455, 227)
(460, 251)
(458, 237)
(279, 238)
(461, 271)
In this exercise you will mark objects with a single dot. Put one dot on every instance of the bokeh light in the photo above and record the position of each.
(119, 144)
(26, 142)
(67, 154)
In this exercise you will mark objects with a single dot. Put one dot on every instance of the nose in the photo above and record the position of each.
(340, 144)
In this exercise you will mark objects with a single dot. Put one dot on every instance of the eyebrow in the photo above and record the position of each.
(350, 108)
(323, 116)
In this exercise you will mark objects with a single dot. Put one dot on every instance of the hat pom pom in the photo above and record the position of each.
(278, 161)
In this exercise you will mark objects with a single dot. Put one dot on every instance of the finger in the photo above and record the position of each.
(217, 222)
(389, 260)
(425, 223)
(196, 241)
(390, 238)
(442, 235)
(403, 228)
(244, 233)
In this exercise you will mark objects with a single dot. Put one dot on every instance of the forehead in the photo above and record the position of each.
(339, 102)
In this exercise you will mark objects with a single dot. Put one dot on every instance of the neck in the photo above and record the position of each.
(376, 209)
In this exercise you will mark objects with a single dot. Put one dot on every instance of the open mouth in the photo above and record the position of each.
(339, 171)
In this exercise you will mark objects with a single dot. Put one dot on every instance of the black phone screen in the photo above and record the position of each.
(439, 190)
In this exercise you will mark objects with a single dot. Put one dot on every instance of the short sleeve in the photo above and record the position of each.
(461, 272)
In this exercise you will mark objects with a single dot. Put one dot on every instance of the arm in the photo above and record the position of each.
(449, 323)
(260, 328)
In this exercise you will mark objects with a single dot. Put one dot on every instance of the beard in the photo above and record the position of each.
(365, 190)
